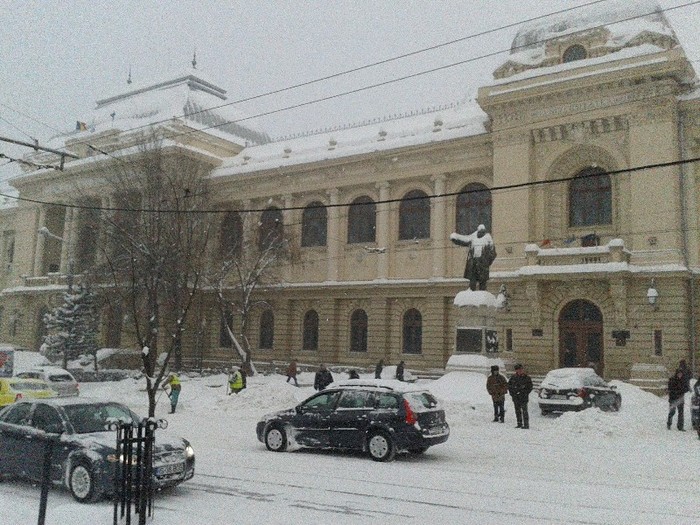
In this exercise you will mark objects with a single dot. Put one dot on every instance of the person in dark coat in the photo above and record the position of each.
(292, 372)
(497, 387)
(519, 387)
(399, 371)
(378, 369)
(677, 388)
(352, 374)
(323, 378)
(687, 373)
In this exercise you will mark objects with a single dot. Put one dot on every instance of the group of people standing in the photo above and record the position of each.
(518, 386)
(323, 376)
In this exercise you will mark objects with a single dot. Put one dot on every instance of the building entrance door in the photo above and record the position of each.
(581, 336)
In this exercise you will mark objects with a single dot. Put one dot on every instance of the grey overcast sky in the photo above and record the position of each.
(59, 56)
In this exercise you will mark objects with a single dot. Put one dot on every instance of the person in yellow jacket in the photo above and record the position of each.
(173, 381)
(235, 382)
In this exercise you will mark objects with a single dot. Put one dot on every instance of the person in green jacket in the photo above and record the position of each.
(235, 382)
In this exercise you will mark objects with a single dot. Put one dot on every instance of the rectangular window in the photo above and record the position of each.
(658, 343)
(509, 340)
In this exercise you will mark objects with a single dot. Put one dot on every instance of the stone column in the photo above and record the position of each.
(382, 237)
(335, 241)
(438, 232)
(67, 251)
(40, 243)
(106, 203)
(288, 221)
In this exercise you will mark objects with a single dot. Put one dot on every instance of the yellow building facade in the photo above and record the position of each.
(577, 156)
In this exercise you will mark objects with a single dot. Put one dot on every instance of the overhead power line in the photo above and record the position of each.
(506, 187)
(380, 84)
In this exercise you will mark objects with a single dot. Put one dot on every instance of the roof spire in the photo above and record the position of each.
(128, 80)
(194, 59)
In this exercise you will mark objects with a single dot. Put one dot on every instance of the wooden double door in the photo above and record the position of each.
(581, 336)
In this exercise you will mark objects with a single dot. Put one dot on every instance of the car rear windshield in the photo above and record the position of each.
(26, 386)
(61, 378)
(95, 417)
(421, 400)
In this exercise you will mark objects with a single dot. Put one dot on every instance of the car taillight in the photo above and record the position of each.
(18, 397)
(582, 392)
(410, 416)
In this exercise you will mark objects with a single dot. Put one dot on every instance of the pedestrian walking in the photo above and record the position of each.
(399, 371)
(676, 399)
(519, 387)
(323, 378)
(378, 369)
(172, 382)
(292, 372)
(497, 387)
(235, 381)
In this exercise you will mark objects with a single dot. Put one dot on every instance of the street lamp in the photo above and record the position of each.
(45, 232)
(653, 295)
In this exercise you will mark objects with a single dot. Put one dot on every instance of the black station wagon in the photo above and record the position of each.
(375, 416)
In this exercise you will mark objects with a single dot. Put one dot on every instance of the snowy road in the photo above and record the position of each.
(587, 468)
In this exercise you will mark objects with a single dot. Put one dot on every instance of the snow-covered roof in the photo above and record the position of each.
(189, 97)
(460, 120)
(619, 23)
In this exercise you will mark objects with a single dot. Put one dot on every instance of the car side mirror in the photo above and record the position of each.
(300, 409)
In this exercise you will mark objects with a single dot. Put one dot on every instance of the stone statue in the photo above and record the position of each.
(480, 254)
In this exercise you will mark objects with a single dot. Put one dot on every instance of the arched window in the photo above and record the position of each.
(473, 208)
(358, 331)
(267, 330)
(310, 330)
(231, 235)
(313, 225)
(224, 337)
(362, 220)
(575, 52)
(414, 216)
(590, 198)
(271, 228)
(412, 332)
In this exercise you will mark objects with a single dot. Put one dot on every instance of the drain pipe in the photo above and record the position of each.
(683, 174)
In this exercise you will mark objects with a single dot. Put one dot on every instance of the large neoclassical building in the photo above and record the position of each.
(573, 156)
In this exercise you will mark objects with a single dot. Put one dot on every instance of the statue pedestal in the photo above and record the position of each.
(476, 337)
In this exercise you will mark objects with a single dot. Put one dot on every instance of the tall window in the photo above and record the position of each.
(313, 225)
(358, 331)
(310, 330)
(362, 220)
(412, 332)
(224, 337)
(575, 52)
(590, 198)
(267, 330)
(414, 216)
(473, 208)
(271, 228)
(231, 235)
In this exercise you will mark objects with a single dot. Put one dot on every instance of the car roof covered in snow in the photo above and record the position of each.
(385, 384)
(568, 377)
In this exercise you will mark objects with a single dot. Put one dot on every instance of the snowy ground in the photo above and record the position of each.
(585, 468)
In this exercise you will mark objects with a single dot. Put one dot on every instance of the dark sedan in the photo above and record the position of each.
(84, 458)
(378, 417)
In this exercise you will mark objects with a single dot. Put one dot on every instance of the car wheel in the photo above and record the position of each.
(82, 483)
(381, 447)
(276, 439)
(618, 403)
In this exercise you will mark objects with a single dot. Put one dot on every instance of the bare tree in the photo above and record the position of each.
(155, 245)
(245, 269)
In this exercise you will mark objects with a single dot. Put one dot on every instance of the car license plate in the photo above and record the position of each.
(557, 396)
(173, 468)
(435, 431)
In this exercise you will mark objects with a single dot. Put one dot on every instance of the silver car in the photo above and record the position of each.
(60, 380)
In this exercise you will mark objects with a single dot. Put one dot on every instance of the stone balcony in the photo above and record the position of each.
(613, 252)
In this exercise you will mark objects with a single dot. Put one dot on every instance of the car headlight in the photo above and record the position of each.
(189, 452)
(112, 458)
